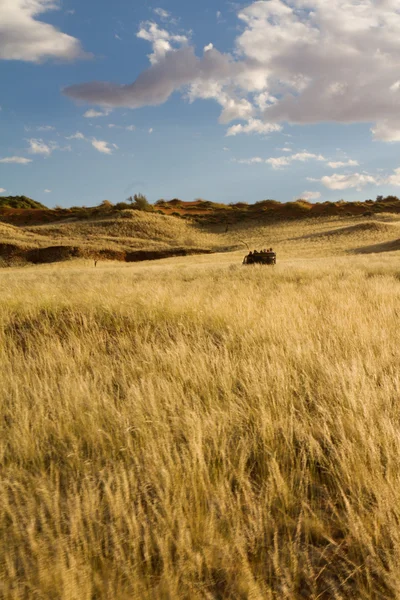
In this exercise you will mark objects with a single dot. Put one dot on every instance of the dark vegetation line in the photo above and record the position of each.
(21, 210)
(50, 254)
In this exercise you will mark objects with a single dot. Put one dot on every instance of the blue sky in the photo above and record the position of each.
(227, 101)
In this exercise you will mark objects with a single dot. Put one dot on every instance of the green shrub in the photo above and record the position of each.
(123, 206)
(20, 202)
(140, 202)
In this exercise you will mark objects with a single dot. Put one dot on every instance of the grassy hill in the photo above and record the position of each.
(30, 232)
(38, 235)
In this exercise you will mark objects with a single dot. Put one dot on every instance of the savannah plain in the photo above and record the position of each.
(196, 429)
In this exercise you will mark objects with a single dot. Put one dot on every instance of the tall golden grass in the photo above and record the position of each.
(201, 430)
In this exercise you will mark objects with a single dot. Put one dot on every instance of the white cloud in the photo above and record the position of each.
(339, 164)
(297, 61)
(387, 130)
(2, 190)
(304, 156)
(18, 160)
(283, 161)
(94, 114)
(354, 180)
(208, 47)
(130, 128)
(233, 107)
(40, 147)
(250, 161)
(310, 195)
(394, 179)
(279, 162)
(151, 130)
(253, 126)
(47, 191)
(23, 37)
(163, 14)
(76, 136)
(101, 146)
(41, 128)
(162, 41)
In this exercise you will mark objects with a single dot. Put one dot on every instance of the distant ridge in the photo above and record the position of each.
(204, 210)
(21, 210)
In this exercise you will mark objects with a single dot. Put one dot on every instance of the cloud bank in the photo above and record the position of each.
(295, 61)
(24, 37)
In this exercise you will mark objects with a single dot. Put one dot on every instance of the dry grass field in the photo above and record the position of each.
(194, 429)
(134, 230)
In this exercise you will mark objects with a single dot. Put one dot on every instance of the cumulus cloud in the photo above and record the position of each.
(2, 190)
(251, 161)
(354, 180)
(46, 191)
(24, 37)
(102, 146)
(338, 164)
(394, 179)
(76, 136)
(163, 14)
(282, 161)
(279, 162)
(161, 40)
(304, 156)
(296, 61)
(17, 160)
(40, 147)
(310, 195)
(253, 126)
(94, 114)
(387, 130)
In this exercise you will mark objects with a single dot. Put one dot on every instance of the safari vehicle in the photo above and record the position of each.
(260, 258)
